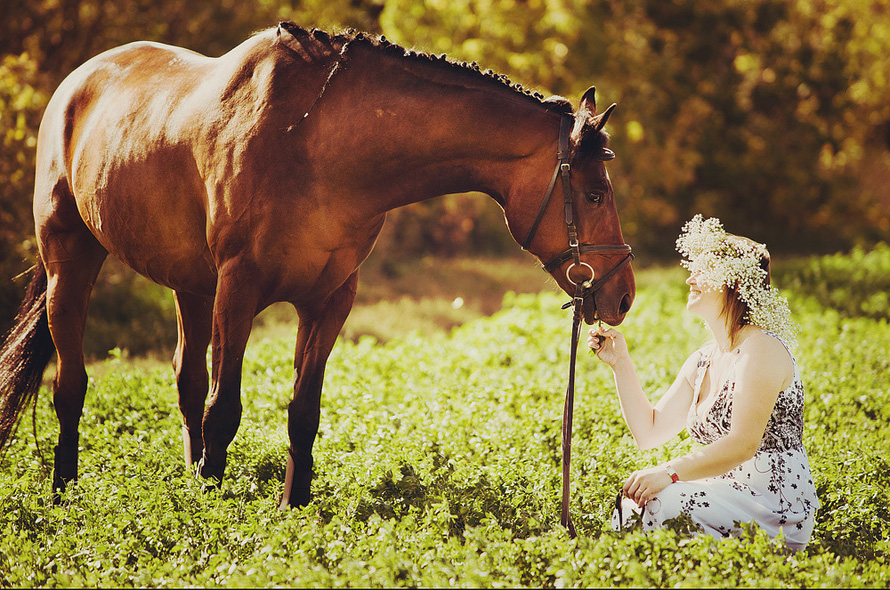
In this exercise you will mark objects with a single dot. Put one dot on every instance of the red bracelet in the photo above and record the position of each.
(672, 472)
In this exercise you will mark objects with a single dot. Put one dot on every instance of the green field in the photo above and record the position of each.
(438, 461)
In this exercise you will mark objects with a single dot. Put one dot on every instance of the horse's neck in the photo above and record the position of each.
(419, 136)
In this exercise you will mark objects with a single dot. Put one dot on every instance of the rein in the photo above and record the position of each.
(583, 288)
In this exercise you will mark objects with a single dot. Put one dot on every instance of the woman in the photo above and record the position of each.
(740, 395)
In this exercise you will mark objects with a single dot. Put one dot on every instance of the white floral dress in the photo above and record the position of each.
(773, 489)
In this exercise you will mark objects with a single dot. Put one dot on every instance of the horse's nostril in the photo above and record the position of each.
(624, 307)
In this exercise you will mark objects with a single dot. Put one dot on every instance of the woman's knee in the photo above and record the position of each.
(668, 503)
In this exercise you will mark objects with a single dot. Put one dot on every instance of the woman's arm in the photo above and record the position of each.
(763, 369)
(650, 426)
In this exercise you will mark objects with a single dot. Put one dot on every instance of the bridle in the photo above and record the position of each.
(575, 250)
(583, 288)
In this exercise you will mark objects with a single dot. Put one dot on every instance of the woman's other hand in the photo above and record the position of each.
(608, 344)
(644, 484)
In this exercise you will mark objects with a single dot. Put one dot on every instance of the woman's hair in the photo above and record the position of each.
(735, 311)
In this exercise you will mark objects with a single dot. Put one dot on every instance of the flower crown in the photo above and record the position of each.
(725, 262)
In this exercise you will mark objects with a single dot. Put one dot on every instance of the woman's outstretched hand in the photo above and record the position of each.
(644, 484)
(608, 344)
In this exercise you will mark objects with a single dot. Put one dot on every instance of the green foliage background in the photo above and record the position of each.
(771, 114)
(438, 465)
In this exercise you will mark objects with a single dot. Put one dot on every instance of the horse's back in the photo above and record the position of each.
(129, 90)
(178, 163)
(138, 137)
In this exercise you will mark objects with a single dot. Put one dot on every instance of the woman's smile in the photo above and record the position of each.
(701, 295)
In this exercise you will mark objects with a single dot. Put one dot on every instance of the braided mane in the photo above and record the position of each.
(338, 41)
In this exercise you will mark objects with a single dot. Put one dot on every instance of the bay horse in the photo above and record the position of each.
(265, 175)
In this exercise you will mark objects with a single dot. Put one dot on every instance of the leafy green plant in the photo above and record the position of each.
(438, 465)
(856, 284)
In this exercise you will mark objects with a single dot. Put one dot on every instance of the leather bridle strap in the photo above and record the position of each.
(562, 157)
(563, 170)
(586, 249)
(582, 290)
(589, 288)
(565, 516)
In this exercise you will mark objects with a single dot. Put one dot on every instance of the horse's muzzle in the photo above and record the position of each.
(593, 309)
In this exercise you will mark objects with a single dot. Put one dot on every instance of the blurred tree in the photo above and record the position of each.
(771, 114)
(758, 111)
(335, 15)
(62, 34)
(526, 39)
(21, 105)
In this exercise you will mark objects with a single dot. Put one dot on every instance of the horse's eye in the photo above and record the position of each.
(595, 197)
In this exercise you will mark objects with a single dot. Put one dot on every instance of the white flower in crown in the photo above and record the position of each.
(723, 262)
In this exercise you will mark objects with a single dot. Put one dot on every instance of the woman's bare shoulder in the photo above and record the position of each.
(768, 357)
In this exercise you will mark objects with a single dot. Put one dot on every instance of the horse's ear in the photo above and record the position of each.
(588, 135)
(588, 101)
(601, 119)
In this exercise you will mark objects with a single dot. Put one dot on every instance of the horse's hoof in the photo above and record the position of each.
(299, 497)
(212, 474)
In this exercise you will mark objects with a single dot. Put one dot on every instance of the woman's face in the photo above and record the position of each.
(703, 299)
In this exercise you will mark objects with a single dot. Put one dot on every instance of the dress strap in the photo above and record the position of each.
(703, 363)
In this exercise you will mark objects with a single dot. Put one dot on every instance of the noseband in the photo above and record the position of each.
(583, 288)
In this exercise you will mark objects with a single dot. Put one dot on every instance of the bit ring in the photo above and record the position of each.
(585, 283)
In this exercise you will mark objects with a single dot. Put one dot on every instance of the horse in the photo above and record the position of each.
(265, 175)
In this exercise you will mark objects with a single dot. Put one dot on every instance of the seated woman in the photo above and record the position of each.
(740, 396)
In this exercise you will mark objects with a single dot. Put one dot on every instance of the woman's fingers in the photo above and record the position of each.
(636, 490)
(636, 494)
(631, 485)
(596, 337)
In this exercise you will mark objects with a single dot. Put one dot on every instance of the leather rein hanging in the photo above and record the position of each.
(583, 288)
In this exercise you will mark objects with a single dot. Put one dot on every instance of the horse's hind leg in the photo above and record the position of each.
(316, 336)
(194, 315)
(73, 258)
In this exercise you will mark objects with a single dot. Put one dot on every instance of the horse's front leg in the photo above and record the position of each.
(316, 336)
(234, 308)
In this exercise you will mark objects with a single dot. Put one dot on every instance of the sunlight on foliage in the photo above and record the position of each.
(437, 464)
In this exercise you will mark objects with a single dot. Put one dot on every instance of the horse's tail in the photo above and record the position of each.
(24, 355)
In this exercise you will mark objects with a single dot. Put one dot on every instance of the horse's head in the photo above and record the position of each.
(575, 231)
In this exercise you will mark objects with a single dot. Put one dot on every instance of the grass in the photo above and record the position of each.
(438, 465)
